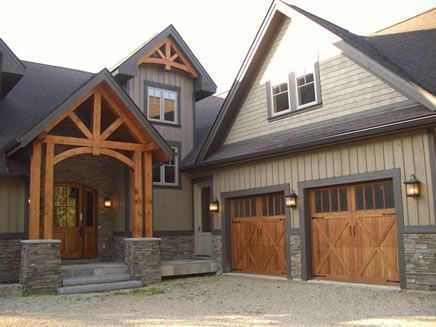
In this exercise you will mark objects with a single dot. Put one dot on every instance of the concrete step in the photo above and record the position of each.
(93, 269)
(99, 279)
(187, 267)
(103, 287)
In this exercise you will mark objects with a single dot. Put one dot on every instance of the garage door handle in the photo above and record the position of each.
(350, 230)
(354, 230)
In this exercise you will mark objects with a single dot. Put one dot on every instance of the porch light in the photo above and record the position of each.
(291, 200)
(107, 202)
(412, 186)
(214, 206)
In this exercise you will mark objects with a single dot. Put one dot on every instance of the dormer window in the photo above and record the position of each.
(306, 89)
(301, 91)
(162, 103)
(280, 98)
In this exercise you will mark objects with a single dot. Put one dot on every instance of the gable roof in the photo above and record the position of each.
(333, 131)
(203, 85)
(66, 103)
(11, 69)
(42, 88)
(206, 111)
(354, 46)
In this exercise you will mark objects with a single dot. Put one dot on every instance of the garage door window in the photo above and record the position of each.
(244, 207)
(374, 196)
(331, 200)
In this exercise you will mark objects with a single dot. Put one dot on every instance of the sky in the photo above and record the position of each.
(92, 34)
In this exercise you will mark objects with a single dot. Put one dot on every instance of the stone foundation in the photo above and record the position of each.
(177, 247)
(420, 257)
(295, 255)
(217, 251)
(142, 257)
(10, 257)
(40, 266)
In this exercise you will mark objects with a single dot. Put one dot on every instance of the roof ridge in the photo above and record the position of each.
(56, 66)
(403, 21)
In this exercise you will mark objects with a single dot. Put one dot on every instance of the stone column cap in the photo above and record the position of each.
(140, 239)
(39, 241)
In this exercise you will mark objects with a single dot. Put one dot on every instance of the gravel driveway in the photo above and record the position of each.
(226, 301)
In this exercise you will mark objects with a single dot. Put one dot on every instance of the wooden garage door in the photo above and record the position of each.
(354, 233)
(258, 234)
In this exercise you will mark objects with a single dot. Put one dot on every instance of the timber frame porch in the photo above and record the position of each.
(99, 123)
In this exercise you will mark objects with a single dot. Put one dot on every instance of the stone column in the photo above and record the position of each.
(10, 257)
(295, 254)
(217, 251)
(142, 257)
(40, 266)
(420, 254)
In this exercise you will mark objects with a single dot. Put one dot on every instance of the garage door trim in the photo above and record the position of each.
(226, 220)
(304, 213)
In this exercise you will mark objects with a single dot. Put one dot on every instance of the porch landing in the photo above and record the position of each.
(184, 267)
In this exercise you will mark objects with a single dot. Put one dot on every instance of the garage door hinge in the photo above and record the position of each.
(392, 280)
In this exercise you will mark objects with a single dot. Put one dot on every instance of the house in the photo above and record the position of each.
(319, 163)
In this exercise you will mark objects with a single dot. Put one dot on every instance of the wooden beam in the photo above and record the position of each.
(70, 153)
(123, 145)
(48, 192)
(137, 227)
(119, 156)
(35, 190)
(136, 132)
(148, 193)
(80, 125)
(96, 123)
(67, 140)
(112, 128)
(167, 56)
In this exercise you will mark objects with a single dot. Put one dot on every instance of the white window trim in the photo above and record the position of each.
(162, 112)
(283, 112)
(315, 85)
(176, 170)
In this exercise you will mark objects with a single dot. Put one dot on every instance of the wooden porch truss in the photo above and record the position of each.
(168, 54)
(95, 141)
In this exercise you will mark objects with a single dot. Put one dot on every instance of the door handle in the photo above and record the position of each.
(199, 229)
(354, 230)
(350, 230)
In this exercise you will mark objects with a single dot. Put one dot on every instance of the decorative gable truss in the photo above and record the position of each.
(168, 54)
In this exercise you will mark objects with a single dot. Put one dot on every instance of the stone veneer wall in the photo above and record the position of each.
(142, 257)
(103, 174)
(295, 256)
(176, 247)
(420, 257)
(217, 251)
(118, 248)
(40, 266)
(10, 257)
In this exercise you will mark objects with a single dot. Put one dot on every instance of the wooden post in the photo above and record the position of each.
(148, 194)
(48, 192)
(137, 227)
(96, 124)
(35, 191)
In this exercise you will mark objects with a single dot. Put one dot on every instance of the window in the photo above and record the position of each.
(331, 200)
(378, 195)
(162, 105)
(167, 173)
(280, 98)
(306, 92)
(301, 90)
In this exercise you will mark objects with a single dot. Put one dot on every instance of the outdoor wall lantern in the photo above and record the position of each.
(291, 200)
(214, 206)
(107, 202)
(412, 186)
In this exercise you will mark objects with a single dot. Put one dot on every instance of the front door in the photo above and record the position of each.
(259, 234)
(202, 220)
(354, 233)
(75, 220)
